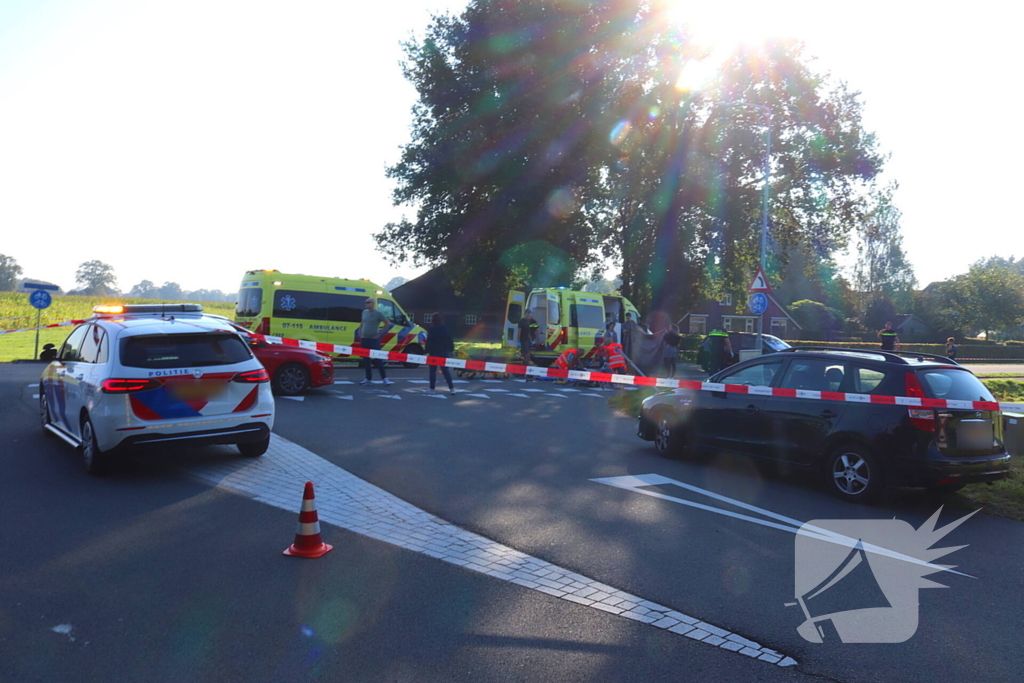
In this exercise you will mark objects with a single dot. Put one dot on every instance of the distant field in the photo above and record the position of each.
(16, 313)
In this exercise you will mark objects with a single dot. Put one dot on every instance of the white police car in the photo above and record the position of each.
(147, 375)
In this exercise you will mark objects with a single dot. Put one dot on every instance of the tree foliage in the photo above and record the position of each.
(882, 268)
(813, 316)
(551, 134)
(96, 277)
(10, 271)
(989, 296)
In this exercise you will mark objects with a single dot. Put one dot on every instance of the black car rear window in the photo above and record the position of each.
(953, 385)
(184, 350)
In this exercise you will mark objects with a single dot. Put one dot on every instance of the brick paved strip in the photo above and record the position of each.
(348, 502)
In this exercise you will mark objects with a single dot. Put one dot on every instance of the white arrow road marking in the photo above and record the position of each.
(591, 394)
(521, 395)
(561, 389)
(479, 395)
(294, 398)
(495, 389)
(419, 381)
(557, 395)
(343, 381)
(534, 390)
(435, 396)
(492, 381)
(346, 398)
(390, 396)
(351, 503)
(793, 526)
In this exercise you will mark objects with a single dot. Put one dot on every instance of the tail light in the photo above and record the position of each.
(127, 386)
(913, 386)
(920, 418)
(263, 327)
(252, 376)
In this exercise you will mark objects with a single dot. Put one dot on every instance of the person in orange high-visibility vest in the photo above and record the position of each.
(616, 358)
(568, 360)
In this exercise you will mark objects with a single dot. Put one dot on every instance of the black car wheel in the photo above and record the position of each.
(669, 439)
(854, 474)
(254, 449)
(95, 459)
(414, 349)
(291, 379)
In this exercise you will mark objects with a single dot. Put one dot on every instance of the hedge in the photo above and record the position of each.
(972, 351)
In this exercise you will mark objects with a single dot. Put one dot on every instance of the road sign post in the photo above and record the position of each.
(40, 299)
(758, 302)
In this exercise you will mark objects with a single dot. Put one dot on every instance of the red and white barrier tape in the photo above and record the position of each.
(66, 323)
(633, 380)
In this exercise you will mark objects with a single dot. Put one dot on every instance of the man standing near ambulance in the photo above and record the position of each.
(369, 339)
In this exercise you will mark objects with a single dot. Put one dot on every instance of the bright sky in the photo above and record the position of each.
(194, 140)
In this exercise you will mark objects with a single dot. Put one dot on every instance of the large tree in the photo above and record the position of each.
(551, 133)
(881, 268)
(988, 297)
(96, 277)
(10, 271)
(510, 139)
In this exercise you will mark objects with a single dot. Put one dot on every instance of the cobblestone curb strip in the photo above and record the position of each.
(347, 501)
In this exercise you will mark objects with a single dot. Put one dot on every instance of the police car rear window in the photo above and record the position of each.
(183, 350)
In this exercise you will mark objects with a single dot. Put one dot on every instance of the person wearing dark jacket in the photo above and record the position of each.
(440, 344)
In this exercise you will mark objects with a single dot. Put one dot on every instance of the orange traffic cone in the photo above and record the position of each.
(307, 534)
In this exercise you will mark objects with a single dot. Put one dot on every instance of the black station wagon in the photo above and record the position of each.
(859, 444)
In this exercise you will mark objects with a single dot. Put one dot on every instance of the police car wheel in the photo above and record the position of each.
(44, 413)
(254, 449)
(95, 459)
(291, 379)
(414, 349)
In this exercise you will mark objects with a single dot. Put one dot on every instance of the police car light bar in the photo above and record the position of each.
(151, 309)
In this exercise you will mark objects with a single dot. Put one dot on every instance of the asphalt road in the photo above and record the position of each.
(161, 577)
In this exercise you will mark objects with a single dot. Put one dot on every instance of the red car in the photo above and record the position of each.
(292, 370)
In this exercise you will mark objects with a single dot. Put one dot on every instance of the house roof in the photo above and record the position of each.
(703, 307)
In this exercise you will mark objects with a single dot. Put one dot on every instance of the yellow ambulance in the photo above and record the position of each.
(321, 309)
(566, 319)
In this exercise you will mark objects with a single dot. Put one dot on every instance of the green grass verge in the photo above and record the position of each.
(17, 313)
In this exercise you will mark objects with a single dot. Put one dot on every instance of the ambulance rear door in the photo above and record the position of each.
(588, 320)
(514, 307)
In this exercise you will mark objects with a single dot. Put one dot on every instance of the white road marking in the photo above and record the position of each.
(294, 398)
(35, 396)
(33, 386)
(793, 526)
(345, 398)
(561, 389)
(64, 630)
(342, 381)
(521, 395)
(495, 389)
(436, 396)
(479, 395)
(557, 395)
(389, 396)
(492, 381)
(419, 381)
(591, 394)
(534, 390)
(351, 503)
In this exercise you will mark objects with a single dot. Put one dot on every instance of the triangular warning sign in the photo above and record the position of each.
(760, 283)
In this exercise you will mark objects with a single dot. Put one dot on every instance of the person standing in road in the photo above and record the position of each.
(951, 348)
(369, 339)
(719, 350)
(528, 328)
(440, 344)
(890, 340)
(671, 353)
